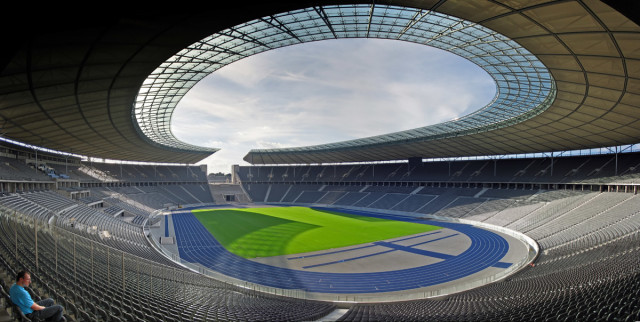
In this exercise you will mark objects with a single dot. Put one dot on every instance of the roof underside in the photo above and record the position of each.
(73, 86)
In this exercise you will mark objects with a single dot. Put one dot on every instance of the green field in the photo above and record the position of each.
(263, 232)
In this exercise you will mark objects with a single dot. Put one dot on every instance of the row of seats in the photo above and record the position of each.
(596, 169)
(156, 197)
(88, 279)
(588, 267)
(600, 285)
(133, 172)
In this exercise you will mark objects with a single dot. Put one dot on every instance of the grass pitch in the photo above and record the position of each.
(263, 232)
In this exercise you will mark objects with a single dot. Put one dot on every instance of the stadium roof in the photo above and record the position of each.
(567, 73)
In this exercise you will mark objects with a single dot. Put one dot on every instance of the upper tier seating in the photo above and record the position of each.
(141, 173)
(588, 169)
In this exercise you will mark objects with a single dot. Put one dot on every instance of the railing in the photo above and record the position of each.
(51, 252)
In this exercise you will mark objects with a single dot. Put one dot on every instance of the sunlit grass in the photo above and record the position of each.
(263, 232)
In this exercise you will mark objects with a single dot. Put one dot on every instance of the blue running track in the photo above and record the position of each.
(196, 244)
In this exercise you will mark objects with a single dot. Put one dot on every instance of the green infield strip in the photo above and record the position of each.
(263, 232)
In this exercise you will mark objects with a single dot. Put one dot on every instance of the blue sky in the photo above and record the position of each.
(325, 92)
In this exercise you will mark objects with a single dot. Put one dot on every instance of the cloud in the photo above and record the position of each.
(324, 92)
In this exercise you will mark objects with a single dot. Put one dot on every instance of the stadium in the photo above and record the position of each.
(525, 209)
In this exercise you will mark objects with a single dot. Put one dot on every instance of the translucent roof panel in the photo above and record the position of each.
(525, 87)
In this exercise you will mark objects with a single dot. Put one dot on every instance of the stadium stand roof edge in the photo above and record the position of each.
(69, 82)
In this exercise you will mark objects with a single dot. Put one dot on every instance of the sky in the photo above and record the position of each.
(324, 92)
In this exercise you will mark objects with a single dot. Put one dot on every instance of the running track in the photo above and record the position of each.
(196, 244)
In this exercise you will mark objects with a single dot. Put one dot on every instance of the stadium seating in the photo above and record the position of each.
(587, 169)
(588, 268)
(138, 173)
(72, 268)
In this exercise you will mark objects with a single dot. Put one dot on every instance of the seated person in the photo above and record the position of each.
(42, 310)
